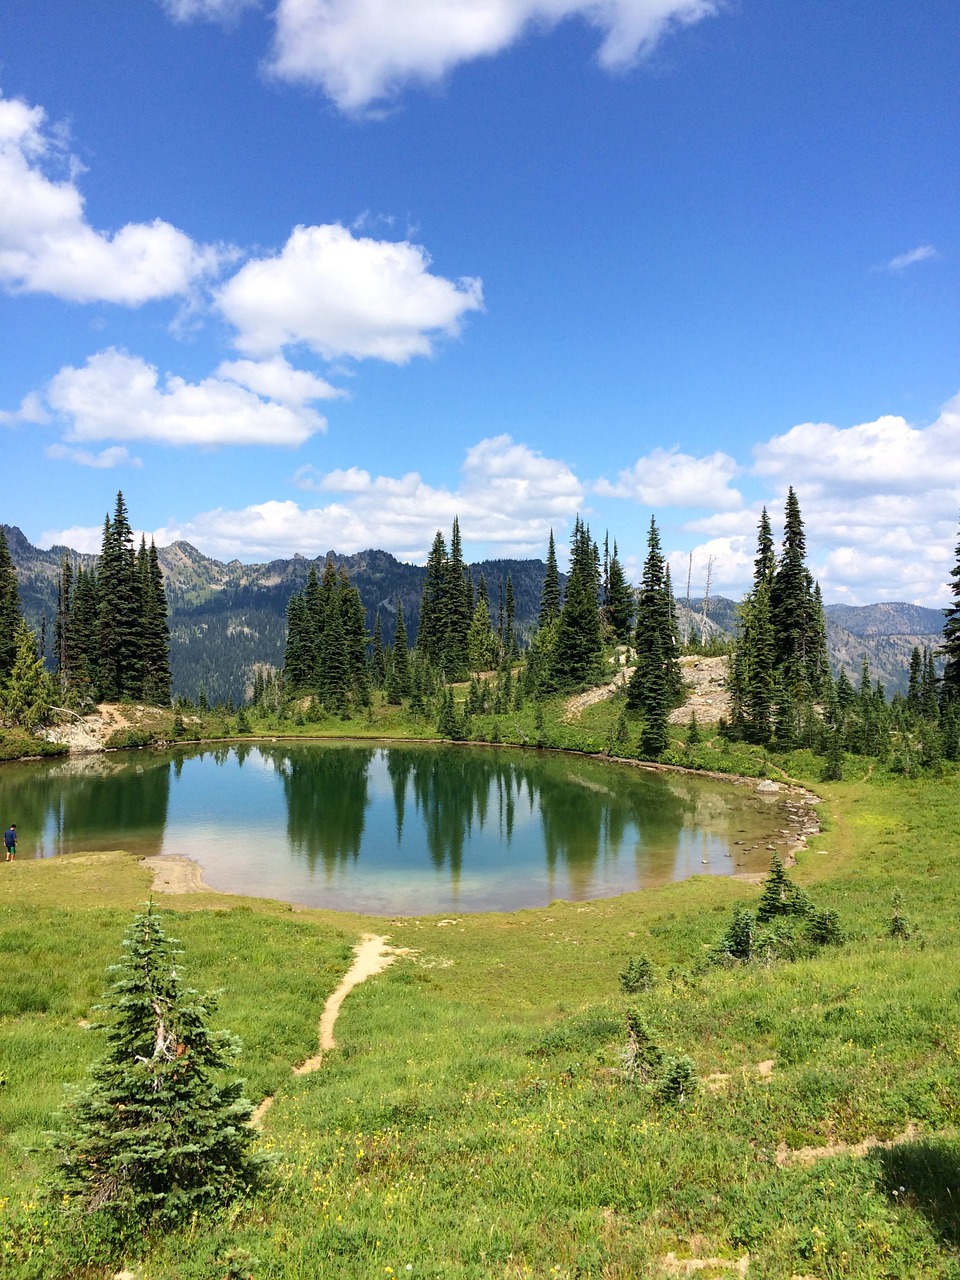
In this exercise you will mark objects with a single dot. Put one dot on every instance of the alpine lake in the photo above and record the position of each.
(399, 829)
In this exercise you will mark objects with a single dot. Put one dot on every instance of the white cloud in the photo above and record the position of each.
(207, 10)
(88, 538)
(31, 410)
(508, 499)
(343, 295)
(115, 456)
(922, 253)
(278, 380)
(668, 478)
(47, 246)
(362, 51)
(116, 396)
(886, 456)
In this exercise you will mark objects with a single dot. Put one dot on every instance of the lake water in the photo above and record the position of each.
(394, 830)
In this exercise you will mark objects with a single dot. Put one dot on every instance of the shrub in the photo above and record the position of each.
(637, 976)
(642, 1057)
(678, 1082)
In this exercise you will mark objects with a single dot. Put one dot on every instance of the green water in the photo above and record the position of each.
(396, 830)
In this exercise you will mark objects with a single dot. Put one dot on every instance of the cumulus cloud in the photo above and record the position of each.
(345, 295)
(885, 456)
(115, 456)
(362, 51)
(508, 499)
(922, 253)
(669, 478)
(116, 396)
(31, 410)
(47, 246)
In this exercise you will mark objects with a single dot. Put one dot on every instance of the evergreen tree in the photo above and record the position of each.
(654, 739)
(120, 667)
(657, 674)
(799, 632)
(25, 698)
(401, 657)
(928, 688)
(915, 682)
(378, 669)
(481, 641)
(458, 610)
(9, 609)
(950, 648)
(578, 648)
(550, 601)
(64, 606)
(431, 629)
(510, 613)
(620, 606)
(155, 630)
(157, 1137)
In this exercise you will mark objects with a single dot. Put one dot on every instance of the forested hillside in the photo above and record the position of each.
(225, 618)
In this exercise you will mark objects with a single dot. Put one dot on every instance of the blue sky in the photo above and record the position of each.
(311, 274)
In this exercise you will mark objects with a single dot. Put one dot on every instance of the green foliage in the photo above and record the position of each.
(678, 1083)
(638, 975)
(643, 1057)
(156, 1137)
(26, 697)
(824, 929)
(781, 897)
(578, 646)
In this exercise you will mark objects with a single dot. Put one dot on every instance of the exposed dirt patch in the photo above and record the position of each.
(674, 1266)
(718, 1080)
(91, 732)
(706, 691)
(810, 1155)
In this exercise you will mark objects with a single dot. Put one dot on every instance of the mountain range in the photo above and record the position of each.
(226, 619)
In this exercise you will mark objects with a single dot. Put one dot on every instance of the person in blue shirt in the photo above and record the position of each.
(10, 841)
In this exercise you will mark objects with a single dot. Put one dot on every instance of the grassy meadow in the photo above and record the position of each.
(477, 1120)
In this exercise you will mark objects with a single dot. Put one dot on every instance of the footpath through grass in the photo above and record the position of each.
(476, 1120)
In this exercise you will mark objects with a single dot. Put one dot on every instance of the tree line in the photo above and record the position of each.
(112, 636)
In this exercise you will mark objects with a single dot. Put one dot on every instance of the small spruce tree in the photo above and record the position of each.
(156, 1136)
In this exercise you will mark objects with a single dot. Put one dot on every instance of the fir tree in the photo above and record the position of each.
(119, 632)
(25, 698)
(378, 670)
(550, 601)
(578, 649)
(656, 683)
(431, 630)
(654, 739)
(950, 648)
(481, 642)
(62, 642)
(9, 609)
(157, 1137)
(510, 613)
(620, 605)
(155, 630)
(915, 682)
(458, 609)
(401, 657)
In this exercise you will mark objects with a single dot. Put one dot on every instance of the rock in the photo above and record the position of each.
(767, 787)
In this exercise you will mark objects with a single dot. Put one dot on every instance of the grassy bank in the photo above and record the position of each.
(477, 1121)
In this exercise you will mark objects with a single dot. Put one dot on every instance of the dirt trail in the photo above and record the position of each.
(706, 693)
(371, 956)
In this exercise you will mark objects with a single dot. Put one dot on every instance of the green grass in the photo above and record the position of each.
(476, 1121)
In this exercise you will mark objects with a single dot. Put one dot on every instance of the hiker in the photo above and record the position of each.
(10, 840)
